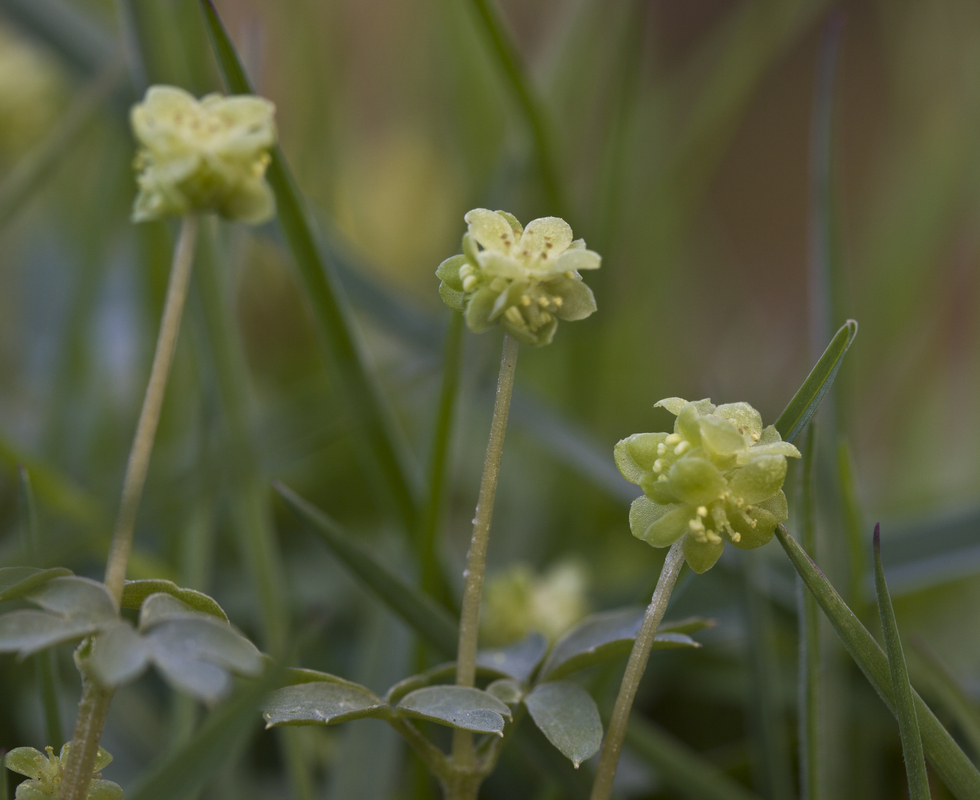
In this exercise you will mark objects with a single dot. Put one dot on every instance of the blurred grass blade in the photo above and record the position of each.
(31, 170)
(915, 761)
(821, 223)
(431, 621)
(963, 708)
(68, 31)
(681, 766)
(221, 734)
(53, 488)
(950, 762)
(44, 663)
(508, 59)
(853, 528)
(364, 401)
(804, 404)
(765, 710)
(810, 705)
(433, 582)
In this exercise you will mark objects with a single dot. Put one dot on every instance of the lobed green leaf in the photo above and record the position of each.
(322, 703)
(460, 707)
(16, 582)
(568, 717)
(518, 660)
(135, 593)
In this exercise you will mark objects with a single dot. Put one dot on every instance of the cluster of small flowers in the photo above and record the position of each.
(526, 279)
(45, 774)
(718, 475)
(203, 155)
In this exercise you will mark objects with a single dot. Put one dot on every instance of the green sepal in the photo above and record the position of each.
(659, 525)
(578, 301)
(479, 307)
(701, 556)
(760, 479)
(720, 435)
(24, 761)
(696, 481)
(750, 538)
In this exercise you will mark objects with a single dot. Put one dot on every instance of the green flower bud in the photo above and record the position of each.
(31, 94)
(718, 476)
(200, 156)
(518, 601)
(525, 279)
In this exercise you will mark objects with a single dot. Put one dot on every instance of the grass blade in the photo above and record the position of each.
(329, 304)
(431, 621)
(952, 764)
(432, 578)
(809, 623)
(681, 766)
(804, 403)
(30, 171)
(908, 723)
(52, 487)
(44, 663)
(222, 733)
(947, 689)
(505, 53)
(70, 32)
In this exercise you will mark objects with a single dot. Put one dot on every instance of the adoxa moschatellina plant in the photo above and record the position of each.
(195, 157)
(524, 279)
(717, 477)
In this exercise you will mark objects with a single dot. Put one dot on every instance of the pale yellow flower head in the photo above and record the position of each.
(30, 94)
(203, 155)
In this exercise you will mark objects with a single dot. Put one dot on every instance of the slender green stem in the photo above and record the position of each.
(146, 428)
(476, 560)
(635, 667)
(432, 582)
(810, 683)
(92, 711)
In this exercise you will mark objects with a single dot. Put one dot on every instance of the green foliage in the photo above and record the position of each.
(568, 718)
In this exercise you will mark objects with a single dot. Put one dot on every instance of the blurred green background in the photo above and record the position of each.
(753, 172)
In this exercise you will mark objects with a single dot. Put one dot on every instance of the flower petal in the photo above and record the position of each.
(577, 260)
(448, 272)
(491, 230)
(659, 525)
(551, 235)
(701, 556)
(478, 309)
(758, 480)
(577, 300)
(696, 481)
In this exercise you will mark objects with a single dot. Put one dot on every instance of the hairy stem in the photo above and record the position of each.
(476, 560)
(92, 711)
(635, 667)
(146, 428)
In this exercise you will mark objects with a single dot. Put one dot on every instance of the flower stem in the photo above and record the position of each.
(635, 667)
(476, 560)
(139, 455)
(92, 712)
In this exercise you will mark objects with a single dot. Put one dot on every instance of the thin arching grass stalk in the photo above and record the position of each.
(146, 428)
(94, 705)
(635, 667)
(476, 560)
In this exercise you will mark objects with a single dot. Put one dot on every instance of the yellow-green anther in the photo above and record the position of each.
(720, 467)
(199, 156)
(525, 278)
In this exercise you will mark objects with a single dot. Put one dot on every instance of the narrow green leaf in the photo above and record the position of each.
(460, 707)
(568, 717)
(908, 723)
(322, 703)
(804, 403)
(428, 619)
(681, 766)
(608, 635)
(951, 763)
(185, 769)
(136, 592)
(326, 296)
(810, 694)
(18, 581)
(432, 581)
